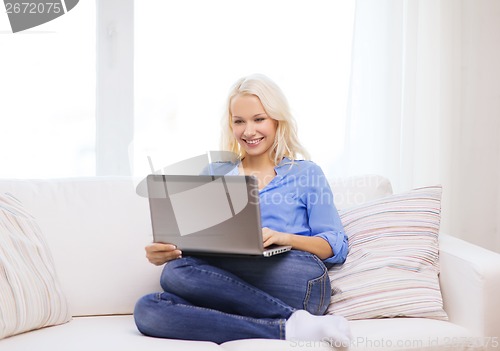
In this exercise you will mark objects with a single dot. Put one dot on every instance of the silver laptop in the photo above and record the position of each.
(204, 214)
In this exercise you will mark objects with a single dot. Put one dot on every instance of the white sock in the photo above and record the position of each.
(306, 327)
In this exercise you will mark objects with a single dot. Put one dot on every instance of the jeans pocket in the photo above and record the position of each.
(318, 294)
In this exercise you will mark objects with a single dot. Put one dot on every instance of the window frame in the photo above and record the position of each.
(114, 86)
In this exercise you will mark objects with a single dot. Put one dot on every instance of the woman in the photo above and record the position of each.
(281, 297)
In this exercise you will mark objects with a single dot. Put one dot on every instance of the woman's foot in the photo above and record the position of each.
(307, 327)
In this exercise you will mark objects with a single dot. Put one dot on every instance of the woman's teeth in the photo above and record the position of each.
(254, 141)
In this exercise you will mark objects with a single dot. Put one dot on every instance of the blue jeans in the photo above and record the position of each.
(227, 298)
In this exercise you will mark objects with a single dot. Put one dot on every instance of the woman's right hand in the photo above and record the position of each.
(158, 253)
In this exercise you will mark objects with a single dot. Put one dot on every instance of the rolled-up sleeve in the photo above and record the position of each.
(338, 243)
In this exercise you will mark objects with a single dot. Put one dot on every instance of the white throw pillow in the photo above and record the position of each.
(30, 295)
(393, 263)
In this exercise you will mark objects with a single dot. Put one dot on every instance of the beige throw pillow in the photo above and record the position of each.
(393, 263)
(30, 295)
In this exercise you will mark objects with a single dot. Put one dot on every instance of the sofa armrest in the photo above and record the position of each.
(470, 285)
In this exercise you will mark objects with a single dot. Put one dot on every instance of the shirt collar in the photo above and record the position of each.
(284, 166)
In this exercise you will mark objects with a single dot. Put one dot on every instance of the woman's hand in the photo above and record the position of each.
(315, 245)
(159, 254)
(271, 237)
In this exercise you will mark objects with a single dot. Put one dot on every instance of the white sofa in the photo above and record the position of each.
(97, 228)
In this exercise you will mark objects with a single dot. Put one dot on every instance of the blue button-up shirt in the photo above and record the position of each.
(298, 200)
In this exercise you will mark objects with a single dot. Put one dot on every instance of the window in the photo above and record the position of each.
(96, 91)
(189, 53)
(47, 94)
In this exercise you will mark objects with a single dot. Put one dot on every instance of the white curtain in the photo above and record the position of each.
(425, 105)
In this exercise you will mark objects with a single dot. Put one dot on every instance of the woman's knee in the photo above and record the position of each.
(145, 313)
(157, 314)
(178, 273)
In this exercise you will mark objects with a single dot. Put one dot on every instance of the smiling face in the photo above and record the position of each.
(254, 130)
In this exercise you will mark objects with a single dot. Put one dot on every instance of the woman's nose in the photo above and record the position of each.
(249, 130)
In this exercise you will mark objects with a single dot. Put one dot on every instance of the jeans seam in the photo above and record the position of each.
(158, 297)
(262, 321)
(310, 284)
(324, 284)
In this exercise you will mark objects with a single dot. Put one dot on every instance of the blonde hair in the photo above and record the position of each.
(286, 143)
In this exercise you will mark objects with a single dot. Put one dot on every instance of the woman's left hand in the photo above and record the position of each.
(271, 237)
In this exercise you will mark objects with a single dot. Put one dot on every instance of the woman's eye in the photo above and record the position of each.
(238, 121)
(260, 119)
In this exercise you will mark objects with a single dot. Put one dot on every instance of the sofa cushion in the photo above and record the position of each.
(118, 333)
(104, 333)
(30, 295)
(392, 267)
